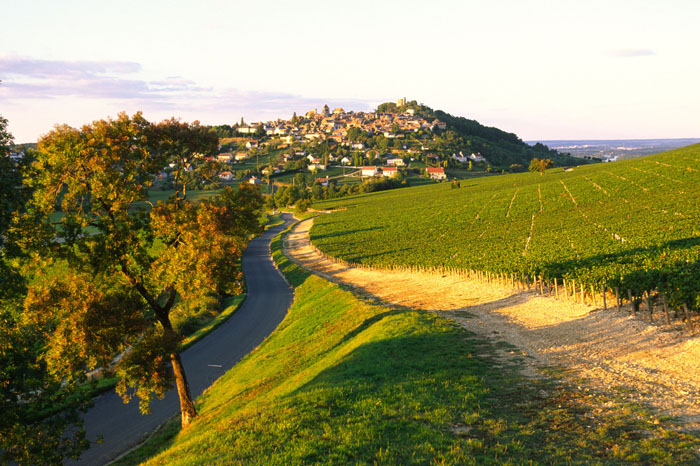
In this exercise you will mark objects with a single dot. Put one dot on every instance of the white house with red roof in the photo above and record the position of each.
(436, 173)
(226, 176)
(395, 161)
(390, 171)
(369, 171)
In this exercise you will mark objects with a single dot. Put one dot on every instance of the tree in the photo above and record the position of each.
(111, 291)
(540, 165)
(12, 192)
(302, 205)
(260, 132)
(30, 433)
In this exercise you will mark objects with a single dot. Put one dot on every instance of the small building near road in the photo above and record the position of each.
(395, 161)
(390, 172)
(226, 176)
(437, 173)
(224, 157)
(369, 171)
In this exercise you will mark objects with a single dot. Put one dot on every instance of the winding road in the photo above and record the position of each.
(269, 296)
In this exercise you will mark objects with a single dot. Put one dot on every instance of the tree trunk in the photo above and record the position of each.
(187, 411)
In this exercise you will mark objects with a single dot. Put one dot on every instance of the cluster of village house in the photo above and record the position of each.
(335, 125)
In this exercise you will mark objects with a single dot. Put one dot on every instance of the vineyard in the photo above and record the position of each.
(632, 225)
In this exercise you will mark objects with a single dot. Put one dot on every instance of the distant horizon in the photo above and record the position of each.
(610, 140)
(598, 70)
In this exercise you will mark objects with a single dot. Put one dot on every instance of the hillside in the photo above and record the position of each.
(500, 148)
(631, 224)
(346, 381)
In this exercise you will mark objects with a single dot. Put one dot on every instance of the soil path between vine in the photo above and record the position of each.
(610, 350)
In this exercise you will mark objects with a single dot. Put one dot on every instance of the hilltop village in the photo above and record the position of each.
(384, 143)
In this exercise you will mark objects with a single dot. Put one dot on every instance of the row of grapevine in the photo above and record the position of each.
(633, 225)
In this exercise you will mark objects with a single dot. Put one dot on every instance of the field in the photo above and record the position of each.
(632, 224)
(332, 172)
(346, 381)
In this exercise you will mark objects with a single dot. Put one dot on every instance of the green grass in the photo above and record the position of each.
(273, 220)
(346, 381)
(333, 171)
(632, 223)
(230, 305)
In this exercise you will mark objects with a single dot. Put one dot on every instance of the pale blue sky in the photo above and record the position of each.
(541, 69)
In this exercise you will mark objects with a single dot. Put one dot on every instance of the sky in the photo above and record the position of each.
(544, 70)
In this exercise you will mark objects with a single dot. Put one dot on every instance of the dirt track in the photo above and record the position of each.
(652, 364)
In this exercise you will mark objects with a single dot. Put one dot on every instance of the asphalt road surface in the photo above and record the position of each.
(269, 296)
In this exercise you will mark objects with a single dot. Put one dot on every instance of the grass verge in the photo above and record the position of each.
(347, 381)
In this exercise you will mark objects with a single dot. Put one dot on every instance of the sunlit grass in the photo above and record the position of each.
(345, 381)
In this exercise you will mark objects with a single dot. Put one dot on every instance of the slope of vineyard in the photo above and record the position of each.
(633, 224)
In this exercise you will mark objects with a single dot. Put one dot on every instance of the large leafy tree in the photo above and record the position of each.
(110, 267)
(32, 430)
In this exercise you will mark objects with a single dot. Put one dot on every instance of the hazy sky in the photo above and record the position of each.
(542, 69)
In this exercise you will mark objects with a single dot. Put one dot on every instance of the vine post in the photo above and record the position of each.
(687, 316)
(605, 301)
(634, 308)
(664, 301)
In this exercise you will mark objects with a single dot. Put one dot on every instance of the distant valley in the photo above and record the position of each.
(610, 150)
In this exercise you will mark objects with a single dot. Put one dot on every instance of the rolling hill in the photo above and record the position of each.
(502, 149)
(347, 381)
(632, 224)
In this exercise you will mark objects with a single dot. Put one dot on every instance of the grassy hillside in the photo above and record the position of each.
(343, 381)
(633, 223)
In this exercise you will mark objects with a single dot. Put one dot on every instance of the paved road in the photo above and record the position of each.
(269, 297)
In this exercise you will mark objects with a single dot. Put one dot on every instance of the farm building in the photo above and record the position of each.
(369, 171)
(436, 173)
(390, 172)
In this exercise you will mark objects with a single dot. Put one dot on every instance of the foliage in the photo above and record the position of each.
(13, 194)
(631, 224)
(30, 432)
(111, 293)
(540, 165)
(500, 148)
(302, 206)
